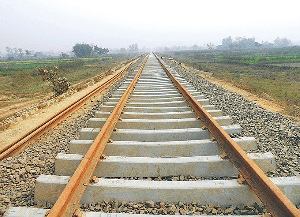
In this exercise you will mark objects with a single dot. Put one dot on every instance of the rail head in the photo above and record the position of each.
(271, 196)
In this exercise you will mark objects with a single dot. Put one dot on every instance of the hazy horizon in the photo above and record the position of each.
(57, 25)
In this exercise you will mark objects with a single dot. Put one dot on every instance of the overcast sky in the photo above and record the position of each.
(44, 25)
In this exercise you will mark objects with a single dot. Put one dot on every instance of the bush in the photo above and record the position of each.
(59, 85)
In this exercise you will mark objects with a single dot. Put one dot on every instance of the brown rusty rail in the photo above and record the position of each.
(67, 203)
(51, 122)
(271, 196)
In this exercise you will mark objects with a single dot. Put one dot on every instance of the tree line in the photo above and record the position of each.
(230, 43)
(79, 50)
(19, 53)
(87, 50)
(250, 43)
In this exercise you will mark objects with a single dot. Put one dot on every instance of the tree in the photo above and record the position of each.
(64, 55)
(123, 50)
(39, 55)
(9, 51)
(195, 47)
(27, 52)
(16, 51)
(266, 44)
(133, 48)
(210, 46)
(282, 42)
(87, 50)
(82, 50)
(243, 43)
(239, 43)
(20, 52)
(227, 43)
(105, 50)
(98, 51)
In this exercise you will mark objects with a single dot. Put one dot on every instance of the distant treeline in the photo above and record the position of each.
(239, 43)
(250, 43)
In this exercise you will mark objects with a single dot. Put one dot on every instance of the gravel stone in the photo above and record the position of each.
(150, 203)
(164, 208)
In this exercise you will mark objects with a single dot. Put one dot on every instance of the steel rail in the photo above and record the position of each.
(19, 144)
(67, 203)
(270, 195)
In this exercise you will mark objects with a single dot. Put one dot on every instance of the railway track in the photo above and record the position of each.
(157, 140)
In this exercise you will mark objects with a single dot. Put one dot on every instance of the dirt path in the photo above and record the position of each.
(21, 127)
(264, 103)
(8, 111)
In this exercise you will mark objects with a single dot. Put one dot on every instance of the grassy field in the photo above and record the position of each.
(20, 81)
(11, 67)
(262, 57)
(266, 73)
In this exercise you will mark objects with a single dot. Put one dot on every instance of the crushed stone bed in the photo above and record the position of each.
(165, 208)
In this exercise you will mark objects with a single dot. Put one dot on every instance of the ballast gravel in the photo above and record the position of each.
(165, 208)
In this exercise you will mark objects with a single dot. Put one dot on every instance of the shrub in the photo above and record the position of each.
(60, 85)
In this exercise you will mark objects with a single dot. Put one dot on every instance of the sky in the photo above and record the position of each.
(57, 25)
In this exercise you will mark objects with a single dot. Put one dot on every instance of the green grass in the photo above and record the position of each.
(260, 58)
(10, 67)
(252, 71)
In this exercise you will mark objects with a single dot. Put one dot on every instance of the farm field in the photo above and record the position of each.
(21, 84)
(273, 74)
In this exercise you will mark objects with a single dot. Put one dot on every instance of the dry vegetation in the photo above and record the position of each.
(271, 74)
